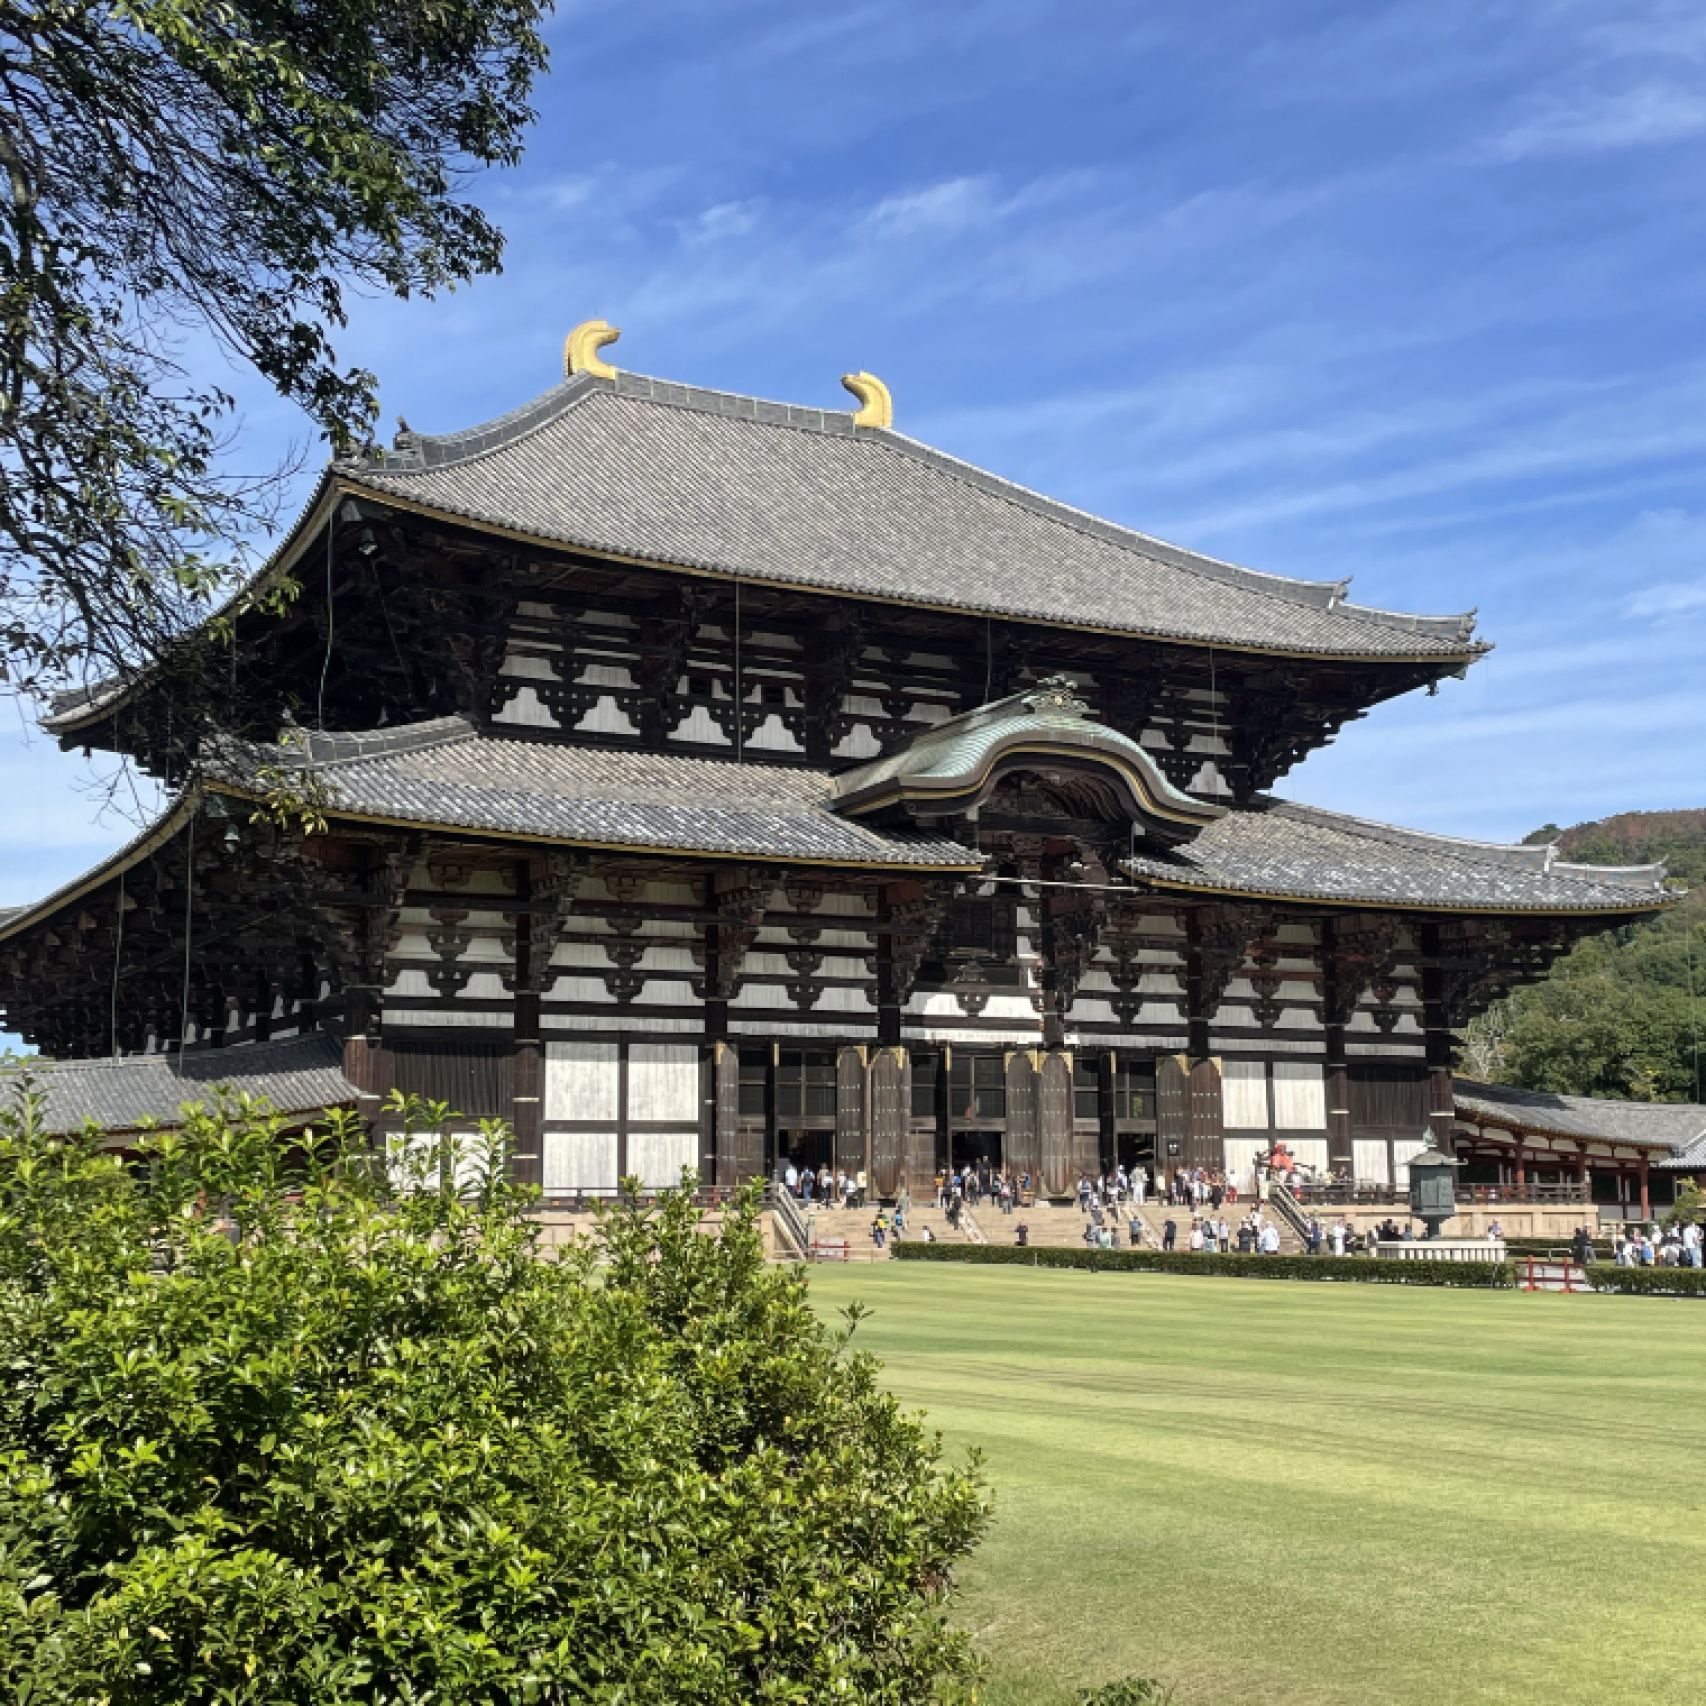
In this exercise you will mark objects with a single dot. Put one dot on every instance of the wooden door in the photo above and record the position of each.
(1021, 1147)
(891, 1117)
(1207, 1123)
(723, 1093)
(850, 1110)
(1172, 1116)
(1054, 1121)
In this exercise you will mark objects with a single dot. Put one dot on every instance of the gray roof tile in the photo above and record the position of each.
(1278, 848)
(297, 1075)
(735, 486)
(1676, 1126)
(443, 773)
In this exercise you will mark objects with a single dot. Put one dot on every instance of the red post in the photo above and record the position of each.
(1646, 1200)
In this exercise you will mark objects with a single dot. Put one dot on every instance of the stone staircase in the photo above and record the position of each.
(849, 1229)
(1061, 1225)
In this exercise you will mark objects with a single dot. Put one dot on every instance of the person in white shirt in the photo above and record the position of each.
(1270, 1239)
(1337, 1237)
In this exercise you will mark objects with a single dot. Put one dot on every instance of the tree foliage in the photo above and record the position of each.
(1623, 1014)
(313, 1440)
(177, 175)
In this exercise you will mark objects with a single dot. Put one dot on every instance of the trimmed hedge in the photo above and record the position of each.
(1363, 1269)
(1648, 1282)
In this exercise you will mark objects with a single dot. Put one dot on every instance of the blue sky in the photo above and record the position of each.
(1411, 293)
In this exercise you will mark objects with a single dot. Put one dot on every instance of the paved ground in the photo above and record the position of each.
(1294, 1493)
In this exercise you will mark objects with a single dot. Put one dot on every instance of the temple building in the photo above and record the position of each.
(698, 781)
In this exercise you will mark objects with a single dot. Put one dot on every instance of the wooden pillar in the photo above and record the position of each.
(1646, 1198)
(1520, 1161)
(1582, 1172)
(527, 1105)
(888, 996)
(366, 1061)
(719, 1142)
(1197, 1043)
(1436, 1026)
(1341, 1150)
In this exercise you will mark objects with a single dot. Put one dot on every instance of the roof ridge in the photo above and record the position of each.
(168, 1059)
(422, 451)
(1476, 1085)
(1325, 595)
(1543, 854)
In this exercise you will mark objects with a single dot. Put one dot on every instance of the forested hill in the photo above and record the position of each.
(1624, 1014)
(1637, 838)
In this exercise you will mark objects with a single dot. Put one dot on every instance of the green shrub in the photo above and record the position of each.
(338, 1444)
(1132, 1691)
(1367, 1270)
(1669, 1282)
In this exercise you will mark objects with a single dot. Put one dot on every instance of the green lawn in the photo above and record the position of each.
(1275, 1492)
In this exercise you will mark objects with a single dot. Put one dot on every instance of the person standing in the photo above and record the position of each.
(1169, 1233)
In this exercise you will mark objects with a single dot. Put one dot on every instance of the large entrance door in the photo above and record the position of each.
(891, 1107)
(1022, 1150)
(850, 1111)
(1055, 1119)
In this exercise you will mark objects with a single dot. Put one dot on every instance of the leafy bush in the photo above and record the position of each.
(1132, 1691)
(1368, 1270)
(1672, 1282)
(317, 1441)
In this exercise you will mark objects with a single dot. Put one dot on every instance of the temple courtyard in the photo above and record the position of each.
(1260, 1491)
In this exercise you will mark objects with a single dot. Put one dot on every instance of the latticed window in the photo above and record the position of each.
(977, 1087)
(805, 1084)
(754, 1073)
(926, 1074)
(1086, 1091)
(1134, 1091)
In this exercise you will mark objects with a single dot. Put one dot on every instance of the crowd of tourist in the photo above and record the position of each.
(837, 1189)
(1112, 1203)
(1653, 1247)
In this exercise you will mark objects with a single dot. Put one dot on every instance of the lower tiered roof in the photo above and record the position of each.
(1678, 1128)
(296, 1076)
(447, 775)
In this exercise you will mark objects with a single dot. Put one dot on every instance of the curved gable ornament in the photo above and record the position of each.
(876, 405)
(581, 347)
(1044, 734)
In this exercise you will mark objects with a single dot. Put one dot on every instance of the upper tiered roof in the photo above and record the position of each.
(716, 484)
(722, 484)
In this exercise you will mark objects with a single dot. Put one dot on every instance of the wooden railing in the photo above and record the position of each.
(1355, 1194)
(790, 1224)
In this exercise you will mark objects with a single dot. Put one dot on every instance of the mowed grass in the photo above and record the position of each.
(1273, 1492)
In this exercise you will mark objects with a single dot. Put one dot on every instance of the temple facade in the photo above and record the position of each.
(696, 781)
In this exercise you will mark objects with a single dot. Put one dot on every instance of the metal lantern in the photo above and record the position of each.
(1433, 1189)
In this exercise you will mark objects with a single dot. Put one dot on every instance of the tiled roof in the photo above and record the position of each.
(1676, 1126)
(298, 1075)
(442, 773)
(959, 753)
(731, 485)
(1288, 851)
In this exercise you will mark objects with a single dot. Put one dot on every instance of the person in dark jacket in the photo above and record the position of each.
(1169, 1234)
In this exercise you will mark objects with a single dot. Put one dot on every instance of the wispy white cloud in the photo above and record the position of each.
(723, 221)
(951, 205)
(1643, 116)
(1669, 598)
